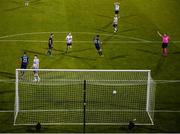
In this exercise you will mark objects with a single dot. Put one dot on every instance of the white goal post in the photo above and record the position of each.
(77, 97)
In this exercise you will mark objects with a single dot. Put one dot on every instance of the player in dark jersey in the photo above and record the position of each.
(50, 44)
(97, 44)
(24, 63)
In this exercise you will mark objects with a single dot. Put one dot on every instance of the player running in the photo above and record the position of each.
(26, 2)
(115, 23)
(69, 39)
(50, 44)
(36, 67)
(24, 63)
(97, 44)
(116, 7)
(165, 42)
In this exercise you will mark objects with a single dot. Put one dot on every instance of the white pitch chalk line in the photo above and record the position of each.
(91, 33)
(101, 110)
(136, 40)
(157, 81)
(58, 41)
(114, 42)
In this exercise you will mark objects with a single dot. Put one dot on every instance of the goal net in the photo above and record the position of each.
(75, 97)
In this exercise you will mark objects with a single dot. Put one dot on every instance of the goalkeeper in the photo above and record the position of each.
(97, 44)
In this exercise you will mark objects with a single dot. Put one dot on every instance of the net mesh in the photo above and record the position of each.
(58, 98)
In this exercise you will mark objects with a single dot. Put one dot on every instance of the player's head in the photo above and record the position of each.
(97, 36)
(69, 33)
(24, 53)
(51, 34)
(35, 56)
(165, 34)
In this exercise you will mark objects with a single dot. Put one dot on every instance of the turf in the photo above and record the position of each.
(135, 46)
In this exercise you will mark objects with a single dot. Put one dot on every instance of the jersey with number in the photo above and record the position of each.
(115, 21)
(36, 63)
(69, 39)
(24, 60)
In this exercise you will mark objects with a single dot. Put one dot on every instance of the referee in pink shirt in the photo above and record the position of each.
(165, 41)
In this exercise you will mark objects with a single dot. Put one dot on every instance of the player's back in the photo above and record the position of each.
(24, 60)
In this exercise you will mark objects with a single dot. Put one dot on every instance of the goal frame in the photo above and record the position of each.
(16, 108)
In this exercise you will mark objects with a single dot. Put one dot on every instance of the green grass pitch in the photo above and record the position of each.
(135, 46)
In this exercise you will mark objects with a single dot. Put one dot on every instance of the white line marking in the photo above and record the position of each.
(100, 110)
(132, 41)
(157, 81)
(90, 33)
(115, 42)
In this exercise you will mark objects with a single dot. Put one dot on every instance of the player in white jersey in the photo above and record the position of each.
(36, 67)
(116, 7)
(115, 23)
(69, 39)
(26, 2)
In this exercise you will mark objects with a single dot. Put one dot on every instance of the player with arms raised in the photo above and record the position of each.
(24, 63)
(165, 42)
(97, 44)
(36, 67)
(69, 39)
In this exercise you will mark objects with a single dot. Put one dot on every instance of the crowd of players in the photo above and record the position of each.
(96, 40)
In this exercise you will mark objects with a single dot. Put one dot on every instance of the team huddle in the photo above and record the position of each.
(69, 41)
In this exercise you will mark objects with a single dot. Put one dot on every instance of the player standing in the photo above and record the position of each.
(26, 2)
(36, 67)
(165, 42)
(69, 41)
(116, 7)
(97, 44)
(115, 23)
(50, 44)
(24, 63)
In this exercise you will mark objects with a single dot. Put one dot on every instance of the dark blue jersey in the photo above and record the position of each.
(50, 42)
(97, 43)
(24, 60)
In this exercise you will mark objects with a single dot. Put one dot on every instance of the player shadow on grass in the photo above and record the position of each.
(82, 58)
(13, 9)
(159, 66)
(54, 49)
(7, 75)
(105, 16)
(82, 50)
(34, 52)
(147, 51)
(118, 57)
(37, 2)
(176, 52)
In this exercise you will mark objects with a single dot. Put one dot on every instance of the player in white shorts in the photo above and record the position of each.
(69, 41)
(36, 67)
